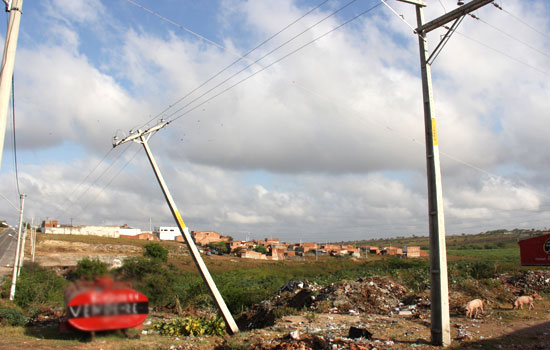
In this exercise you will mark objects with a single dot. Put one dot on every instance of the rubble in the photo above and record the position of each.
(375, 295)
(527, 282)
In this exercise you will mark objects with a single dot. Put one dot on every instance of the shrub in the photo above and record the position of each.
(37, 287)
(156, 251)
(12, 317)
(90, 268)
(191, 326)
(260, 249)
(136, 268)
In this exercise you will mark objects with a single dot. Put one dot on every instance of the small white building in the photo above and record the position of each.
(166, 233)
(129, 231)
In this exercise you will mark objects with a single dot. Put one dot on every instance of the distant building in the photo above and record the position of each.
(249, 254)
(101, 231)
(169, 233)
(50, 223)
(126, 230)
(207, 237)
(412, 252)
(392, 251)
(535, 251)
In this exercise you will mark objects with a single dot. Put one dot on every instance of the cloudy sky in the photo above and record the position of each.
(321, 139)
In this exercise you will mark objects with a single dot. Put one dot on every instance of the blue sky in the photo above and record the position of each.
(325, 145)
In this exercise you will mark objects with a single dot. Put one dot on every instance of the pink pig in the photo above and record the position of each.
(526, 300)
(474, 305)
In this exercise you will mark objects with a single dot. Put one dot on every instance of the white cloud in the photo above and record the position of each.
(338, 126)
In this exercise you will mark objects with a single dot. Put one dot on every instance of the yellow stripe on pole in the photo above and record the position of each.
(434, 132)
(180, 220)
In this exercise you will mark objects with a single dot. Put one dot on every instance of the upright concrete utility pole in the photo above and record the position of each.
(8, 61)
(17, 249)
(439, 293)
(143, 137)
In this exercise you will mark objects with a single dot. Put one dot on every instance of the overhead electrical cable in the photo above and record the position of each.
(510, 36)
(109, 182)
(420, 143)
(71, 203)
(521, 21)
(398, 15)
(499, 52)
(217, 74)
(243, 57)
(278, 60)
(261, 58)
(314, 92)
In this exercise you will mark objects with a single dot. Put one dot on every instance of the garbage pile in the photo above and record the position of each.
(375, 295)
(527, 282)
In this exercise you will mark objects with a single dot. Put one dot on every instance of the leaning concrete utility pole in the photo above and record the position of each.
(17, 249)
(143, 137)
(8, 62)
(439, 293)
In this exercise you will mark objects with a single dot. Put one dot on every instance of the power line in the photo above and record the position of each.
(322, 96)
(521, 21)
(243, 57)
(109, 182)
(72, 202)
(498, 51)
(217, 74)
(261, 58)
(92, 171)
(277, 61)
(510, 36)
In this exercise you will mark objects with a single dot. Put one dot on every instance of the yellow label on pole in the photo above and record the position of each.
(180, 220)
(434, 132)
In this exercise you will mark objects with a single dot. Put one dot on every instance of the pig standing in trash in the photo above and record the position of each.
(526, 300)
(474, 305)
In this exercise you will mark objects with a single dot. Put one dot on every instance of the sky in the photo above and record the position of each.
(315, 135)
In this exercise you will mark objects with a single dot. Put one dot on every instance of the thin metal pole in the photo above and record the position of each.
(8, 62)
(226, 314)
(439, 294)
(16, 259)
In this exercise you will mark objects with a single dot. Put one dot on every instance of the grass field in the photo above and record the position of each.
(502, 254)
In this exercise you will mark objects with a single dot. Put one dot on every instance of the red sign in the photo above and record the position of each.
(105, 305)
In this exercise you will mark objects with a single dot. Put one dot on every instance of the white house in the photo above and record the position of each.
(166, 233)
(129, 231)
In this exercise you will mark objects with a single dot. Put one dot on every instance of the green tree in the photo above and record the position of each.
(156, 251)
(220, 246)
(260, 249)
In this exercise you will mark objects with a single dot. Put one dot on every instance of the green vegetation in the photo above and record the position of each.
(260, 249)
(156, 251)
(90, 268)
(11, 316)
(502, 254)
(191, 326)
(37, 287)
(220, 246)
